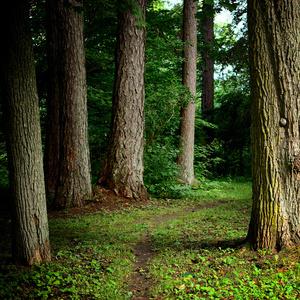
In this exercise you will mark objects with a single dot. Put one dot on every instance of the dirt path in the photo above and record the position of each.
(140, 281)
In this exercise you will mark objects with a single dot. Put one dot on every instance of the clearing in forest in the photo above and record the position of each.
(163, 249)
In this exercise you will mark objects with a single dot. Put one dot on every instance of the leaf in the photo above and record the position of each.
(141, 270)
(181, 287)
(281, 282)
(56, 282)
(231, 6)
(188, 275)
(210, 2)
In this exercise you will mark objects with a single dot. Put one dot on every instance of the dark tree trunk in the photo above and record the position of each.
(189, 72)
(21, 110)
(52, 149)
(122, 169)
(67, 158)
(207, 99)
(274, 68)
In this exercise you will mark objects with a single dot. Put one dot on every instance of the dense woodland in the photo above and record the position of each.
(148, 100)
(221, 145)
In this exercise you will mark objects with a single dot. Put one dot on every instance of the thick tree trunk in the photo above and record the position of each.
(207, 98)
(67, 160)
(21, 110)
(122, 169)
(189, 72)
(275, 86)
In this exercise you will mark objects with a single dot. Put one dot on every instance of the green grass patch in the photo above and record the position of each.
(197, 253)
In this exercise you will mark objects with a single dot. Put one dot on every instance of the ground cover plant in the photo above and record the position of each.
(189, 248)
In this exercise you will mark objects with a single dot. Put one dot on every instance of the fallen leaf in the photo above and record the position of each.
(281, 282)
(181, 287)
(141, 270)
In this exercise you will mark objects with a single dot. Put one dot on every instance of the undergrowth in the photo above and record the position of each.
(198, 253)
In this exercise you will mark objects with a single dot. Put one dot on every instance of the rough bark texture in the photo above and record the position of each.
(187, 121)
(207, 98)
(122, 169)
(274, 28)
(67, 158)
(24, 144)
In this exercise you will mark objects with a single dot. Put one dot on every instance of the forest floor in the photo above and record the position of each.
(192, 248)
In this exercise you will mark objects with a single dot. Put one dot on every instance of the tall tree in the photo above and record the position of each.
(189, 70)
(207, 98)
(122, 169)
(67, 160)
(21, 109)
(275, 89)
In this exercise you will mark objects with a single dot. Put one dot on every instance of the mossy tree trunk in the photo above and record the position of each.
(67, 157)
(189, 72)
(21, 111)
(274, 28)
(122, 169)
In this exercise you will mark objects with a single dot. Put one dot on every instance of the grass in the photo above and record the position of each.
(197, 253)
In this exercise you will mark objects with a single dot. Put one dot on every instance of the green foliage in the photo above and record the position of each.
(225, 148)
(165, 96)
(100, 43)
(4, 176)
(161, 171)
(99, 103)
(233, 130)
(206, 161)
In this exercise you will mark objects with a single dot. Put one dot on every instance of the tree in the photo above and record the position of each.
(21, 110)
(189, 70)
(67, 161)
(122, 169)
(207, 98)
(274, 71)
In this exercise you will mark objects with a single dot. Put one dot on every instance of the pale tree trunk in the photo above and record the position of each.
(274, 39)
(67, 157)
(21, 110)
(187, 121)
(207, 98)
(122, 169)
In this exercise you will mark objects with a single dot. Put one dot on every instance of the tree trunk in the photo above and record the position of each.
(189, 71)
(122, 169)
(67, 158)
(274, 68)
(24, 145)
(207, 98)
(52, 148)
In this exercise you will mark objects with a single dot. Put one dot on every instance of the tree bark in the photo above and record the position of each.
(122, 169)
(274, 28)
(207, 98)
(67, 158)
(189, 72)
(24, 145)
